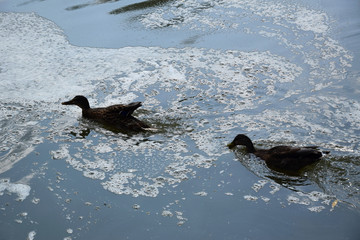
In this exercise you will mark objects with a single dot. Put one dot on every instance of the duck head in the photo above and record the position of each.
(243, 140)
(80, 101)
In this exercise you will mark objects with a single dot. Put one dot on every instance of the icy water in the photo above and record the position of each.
(283, 72)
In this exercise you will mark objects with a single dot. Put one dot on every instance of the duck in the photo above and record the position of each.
(283, 158)
(119, 116)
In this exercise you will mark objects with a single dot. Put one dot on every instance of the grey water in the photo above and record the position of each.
(281, 72)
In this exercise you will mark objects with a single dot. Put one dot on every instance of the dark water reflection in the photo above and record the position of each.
(140, 6)
(340, 174)
(333, 174)
(80, 6)
(128, 8)
(287, 179)
(159, 125)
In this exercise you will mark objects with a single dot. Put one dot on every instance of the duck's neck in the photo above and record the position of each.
(85, 112)
(250, 147)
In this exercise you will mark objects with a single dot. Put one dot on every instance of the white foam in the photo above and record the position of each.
(167, 213)
(250, 198)
(22, 190)
(284, 20)
(64, 64)
(31, 235)
(201, 194)
(308, 199)
(199, 94)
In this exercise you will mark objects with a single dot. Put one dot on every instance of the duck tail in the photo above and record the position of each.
(129, 109)
(317, 148)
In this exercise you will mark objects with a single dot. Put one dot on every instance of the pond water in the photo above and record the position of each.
(282, 72)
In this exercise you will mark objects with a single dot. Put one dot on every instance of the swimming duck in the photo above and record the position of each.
(281, 157)
(116, 115)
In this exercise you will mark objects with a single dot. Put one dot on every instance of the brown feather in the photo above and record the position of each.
(281, 157)
(119, 115)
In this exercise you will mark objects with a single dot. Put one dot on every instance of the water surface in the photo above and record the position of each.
(281, 72)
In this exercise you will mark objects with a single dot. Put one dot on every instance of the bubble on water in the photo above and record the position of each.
(31, 235)
(94, 174)
(21, 190)
(35, 200)
(167, 213)
(259, 185)
(136, 206)
(310, 198)
(201, 194)
(250, 198)
(316, 208)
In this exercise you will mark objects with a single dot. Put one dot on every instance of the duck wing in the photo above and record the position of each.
(112, 113)
(298, 152)
(122, 110)
(291, 158)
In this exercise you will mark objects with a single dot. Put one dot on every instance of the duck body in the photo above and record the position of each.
(119, 115)
(286, 158)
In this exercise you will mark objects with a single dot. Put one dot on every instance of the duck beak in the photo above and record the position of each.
(231, 145)
(71, 102)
